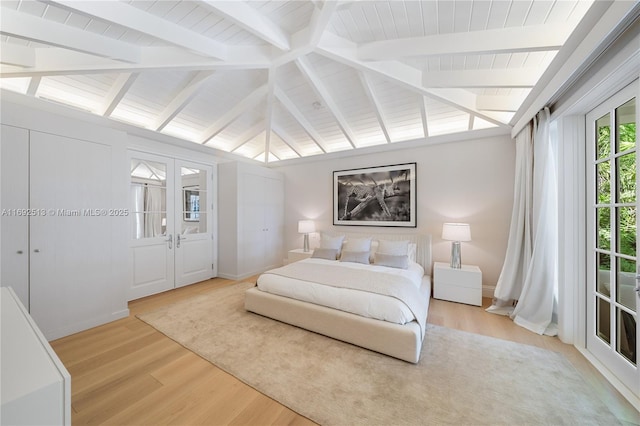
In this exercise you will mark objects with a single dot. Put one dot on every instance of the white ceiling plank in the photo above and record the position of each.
(33, 86)
(320, 89)
(301, 119)
(136, 19)
(471, 118)
(182, 99)
(251, 20)
(344, 51)
(486, 78)
(117, 92)
(534, 38)
(423, 114)
(29, 27)
(56, 61)
(247, 103)
(20, 56)
(366, 85)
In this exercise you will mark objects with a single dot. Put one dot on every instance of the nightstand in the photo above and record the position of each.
(298, 254)
(462, 285)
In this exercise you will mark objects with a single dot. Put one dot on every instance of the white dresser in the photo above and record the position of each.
(36, 387)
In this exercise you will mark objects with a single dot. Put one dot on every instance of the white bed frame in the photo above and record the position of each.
(399, 341)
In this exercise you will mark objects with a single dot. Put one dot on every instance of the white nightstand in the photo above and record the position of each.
(462, 285)
(298, 254)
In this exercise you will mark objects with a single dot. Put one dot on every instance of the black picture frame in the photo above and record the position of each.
(375, 196)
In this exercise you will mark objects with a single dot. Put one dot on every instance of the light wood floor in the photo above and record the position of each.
(127, 373)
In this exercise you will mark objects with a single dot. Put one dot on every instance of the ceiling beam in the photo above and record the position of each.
(182, 99)
(124, 15)
(321, 90)
(57, 61)
(19, 56)
(117, 92)
(368, 89)
(240, 108)
(269, 111)
(29, 27)
(250, 20)
(499, 103)
(288, 140)
(248, 135)
(486, 78)
(301, 119)
(33, 86)
(423, 114)
(533, 38)
(344, 51)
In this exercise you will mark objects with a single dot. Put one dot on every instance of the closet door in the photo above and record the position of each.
(152, 224)
(252, 227)
(14, 143)
(70, 246)
(274, 222)
(194, 223)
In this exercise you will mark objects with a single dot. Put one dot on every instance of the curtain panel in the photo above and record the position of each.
(527, 287)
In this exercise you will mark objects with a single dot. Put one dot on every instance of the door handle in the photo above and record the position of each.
(170, 241)
(177, 240)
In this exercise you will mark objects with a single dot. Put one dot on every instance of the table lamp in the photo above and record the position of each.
(456, 232)
(305, 227)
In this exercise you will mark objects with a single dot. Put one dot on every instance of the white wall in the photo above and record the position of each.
(468, 181)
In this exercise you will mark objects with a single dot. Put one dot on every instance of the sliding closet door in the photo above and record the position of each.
(612, 296)
(152, 234)
(194, 223)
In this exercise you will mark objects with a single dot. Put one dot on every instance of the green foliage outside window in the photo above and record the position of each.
(625, 166)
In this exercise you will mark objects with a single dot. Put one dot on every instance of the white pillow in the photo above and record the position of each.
(327, 242)
(325, 253)
(358, 244)
(395, 248)
(392, 260)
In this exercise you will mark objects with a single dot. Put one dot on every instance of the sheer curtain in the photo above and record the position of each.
(526, 289)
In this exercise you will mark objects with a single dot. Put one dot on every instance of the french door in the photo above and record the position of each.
(171, 233)
(612, 236)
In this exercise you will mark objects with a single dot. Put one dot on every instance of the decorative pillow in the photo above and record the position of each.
(332, 242)
(392, 261)
(325, 253)
(357, 244)
(396, 248)
(355, 256)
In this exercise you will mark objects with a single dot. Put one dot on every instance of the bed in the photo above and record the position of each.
(379, 310)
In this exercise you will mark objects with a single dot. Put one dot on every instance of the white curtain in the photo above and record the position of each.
(137, 195)
(526, 289)
(153, 209)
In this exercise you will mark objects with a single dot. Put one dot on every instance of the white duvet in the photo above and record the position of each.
(366, 304)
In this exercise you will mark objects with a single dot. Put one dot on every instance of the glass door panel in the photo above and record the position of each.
(612, 299)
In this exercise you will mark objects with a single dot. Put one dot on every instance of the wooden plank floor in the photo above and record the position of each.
(127, 373)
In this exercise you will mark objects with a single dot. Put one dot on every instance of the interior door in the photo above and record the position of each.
(194, 223)
(612, 294)
(152, 234)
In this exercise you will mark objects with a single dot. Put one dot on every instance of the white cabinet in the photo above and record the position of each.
(36, 387)
(462, 285)
(56, 250)
(251, 219)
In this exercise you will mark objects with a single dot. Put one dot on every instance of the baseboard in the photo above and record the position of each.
(85, 325)
(488, 291)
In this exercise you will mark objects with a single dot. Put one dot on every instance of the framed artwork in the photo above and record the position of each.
(375, 196)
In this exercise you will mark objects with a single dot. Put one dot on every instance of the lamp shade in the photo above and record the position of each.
(456, 232)
(306, 226)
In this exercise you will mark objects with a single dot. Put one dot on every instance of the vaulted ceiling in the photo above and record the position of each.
(275, 80)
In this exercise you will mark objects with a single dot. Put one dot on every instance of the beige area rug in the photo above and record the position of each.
(462, 378)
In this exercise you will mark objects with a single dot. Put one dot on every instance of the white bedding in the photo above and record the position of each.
(371, 305)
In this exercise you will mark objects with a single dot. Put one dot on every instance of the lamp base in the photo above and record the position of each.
(306, 243)
(456, 258)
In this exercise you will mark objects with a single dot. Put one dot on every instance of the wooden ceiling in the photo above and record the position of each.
(289, 78)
